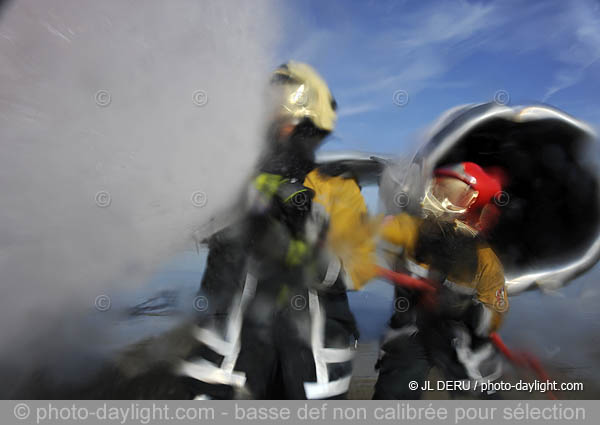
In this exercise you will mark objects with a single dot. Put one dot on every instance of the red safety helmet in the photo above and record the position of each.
(471, 199)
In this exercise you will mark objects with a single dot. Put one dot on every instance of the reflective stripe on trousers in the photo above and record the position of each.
(324, 388)
(205, 371)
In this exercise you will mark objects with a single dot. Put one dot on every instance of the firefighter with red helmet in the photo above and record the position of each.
(448, 324)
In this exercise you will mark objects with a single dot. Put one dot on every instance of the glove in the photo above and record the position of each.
(263, 189)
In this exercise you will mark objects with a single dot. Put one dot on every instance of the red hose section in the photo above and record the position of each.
(405, 280)
(523, 360)
(501, 346)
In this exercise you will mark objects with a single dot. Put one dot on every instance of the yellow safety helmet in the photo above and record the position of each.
(305, 96)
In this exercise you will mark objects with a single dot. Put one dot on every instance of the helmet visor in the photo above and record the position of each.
(453, 194)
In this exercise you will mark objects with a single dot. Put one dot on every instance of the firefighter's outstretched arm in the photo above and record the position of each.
(351, 230)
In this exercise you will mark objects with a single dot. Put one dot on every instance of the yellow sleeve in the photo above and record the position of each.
(401, 231)
(490, 289)
(352, 232)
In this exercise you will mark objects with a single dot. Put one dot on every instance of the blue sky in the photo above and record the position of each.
(442, 54)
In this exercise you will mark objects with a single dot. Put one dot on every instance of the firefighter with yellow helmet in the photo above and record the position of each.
(278, 323)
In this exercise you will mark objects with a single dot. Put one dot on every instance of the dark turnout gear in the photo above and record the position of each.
(266, 334)
(451, 331)
(409, 353)
(278, 323)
